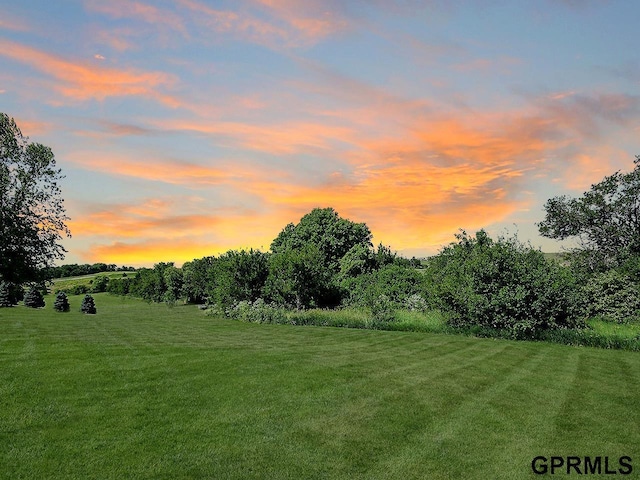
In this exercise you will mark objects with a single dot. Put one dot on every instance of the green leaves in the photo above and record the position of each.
(605, 220)
(323, 227)
(502, 284)
(32, 214)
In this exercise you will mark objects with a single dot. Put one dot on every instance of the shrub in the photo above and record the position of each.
(382, 309)
(613, 296)
(416, 303)
(61, 303)
(395, 281)
(80, 289)
(34, 298)
(256, 312)
(100, 284)
(503, 285)
(88, 305)
(119, 286)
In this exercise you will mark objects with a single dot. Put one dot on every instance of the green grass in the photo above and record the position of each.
(68, 283)
(611, 329)
(145, 391)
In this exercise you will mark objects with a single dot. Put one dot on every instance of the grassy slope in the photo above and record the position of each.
(143, 391)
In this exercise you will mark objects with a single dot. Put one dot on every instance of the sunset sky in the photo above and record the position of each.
(187, 128)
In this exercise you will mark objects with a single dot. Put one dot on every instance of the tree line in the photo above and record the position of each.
(326, 261)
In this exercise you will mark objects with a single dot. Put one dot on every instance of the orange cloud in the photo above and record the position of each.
(169, 171)
(132, 9)
(89, 81)
(311, 19)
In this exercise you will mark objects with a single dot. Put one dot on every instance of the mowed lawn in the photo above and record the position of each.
(145, 391)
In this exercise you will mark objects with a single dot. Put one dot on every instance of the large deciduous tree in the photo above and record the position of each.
(605, 220)
(32, 214)
(323, 227)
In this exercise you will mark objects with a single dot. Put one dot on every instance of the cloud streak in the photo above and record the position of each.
(81, 81)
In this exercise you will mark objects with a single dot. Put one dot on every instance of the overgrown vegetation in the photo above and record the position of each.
(483, 286)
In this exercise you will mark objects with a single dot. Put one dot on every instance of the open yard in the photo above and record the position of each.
(144, 391)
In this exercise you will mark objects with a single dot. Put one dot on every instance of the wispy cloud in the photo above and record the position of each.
(82, 81)
(138, 10)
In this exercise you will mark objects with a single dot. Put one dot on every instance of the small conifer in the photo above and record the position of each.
(5, 295)
(88, 305)
(61, 303)
(34, 298)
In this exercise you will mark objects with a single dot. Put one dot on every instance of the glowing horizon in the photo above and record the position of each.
(187, 129)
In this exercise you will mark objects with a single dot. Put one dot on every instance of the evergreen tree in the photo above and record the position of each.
(88, 305)
(34, 298)
(61, 303)
(5, 295)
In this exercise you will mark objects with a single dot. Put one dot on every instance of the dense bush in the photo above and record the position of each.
(503, 284)
(299, 278)
(382, 309)
(256, 312)
(119, 286)
(613, 296)
(61, 303)
(393, 280)
(79, 289)
(149, 283)
(34, 298)
(195, 277)
(88, 305)
(236, 276)
(416, 303)
(100, 284)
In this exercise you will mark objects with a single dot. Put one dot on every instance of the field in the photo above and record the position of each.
(147, 391)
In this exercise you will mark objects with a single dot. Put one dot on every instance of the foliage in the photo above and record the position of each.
(256, 312)
(503, 284)
(32, 214)
(298, 278)
(359, 260)
(382, 309)
(237, 276)
(173, 281)
(393, 280)
(195, 276)
(605, 220)
(88, 305)
(34, 298)
(79, 289)
(61, 303)
(75, 270)
(100, 284)
(416, 303)
(323, 227)
(5, 295)
(119, 286)
(613, 296)
(149, 283)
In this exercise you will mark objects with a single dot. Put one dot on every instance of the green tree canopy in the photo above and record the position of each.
(605, 220)
(237, 276)
(323, 227)
(298, 277)
(32, 214)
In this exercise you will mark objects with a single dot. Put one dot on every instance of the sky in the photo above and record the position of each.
(187, 128)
